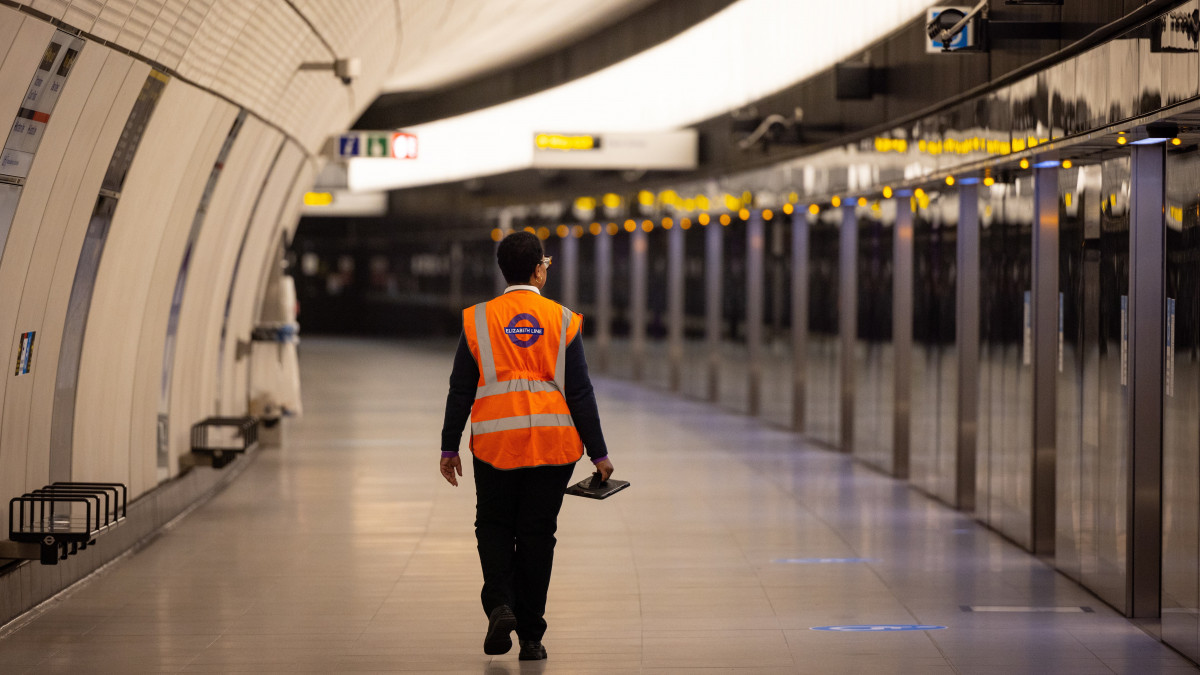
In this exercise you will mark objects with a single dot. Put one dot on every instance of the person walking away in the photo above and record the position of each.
(521, 376)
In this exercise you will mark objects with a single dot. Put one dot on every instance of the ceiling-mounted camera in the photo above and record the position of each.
(953, 29)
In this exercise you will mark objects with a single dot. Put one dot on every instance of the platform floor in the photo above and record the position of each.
(344, 551)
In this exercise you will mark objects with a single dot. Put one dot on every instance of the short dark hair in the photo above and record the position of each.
(519, 254)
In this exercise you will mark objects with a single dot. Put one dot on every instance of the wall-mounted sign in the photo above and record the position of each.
(40, 97)
(348, 145)
(563, 142)
(25, 353)
(964, 39)
(384, 144)
(660, 150)
(404, 145)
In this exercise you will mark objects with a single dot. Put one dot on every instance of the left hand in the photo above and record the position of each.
(604, 468)
(449, 467)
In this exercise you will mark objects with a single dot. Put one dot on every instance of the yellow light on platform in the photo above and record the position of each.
(647, 225)
(543, 233)
(562, 231)
(793, 198)
(703, 219)
(667, 223)
(732, 202)
(862, 201)
(1024, 164)
(586, 203)
(1066, 164)
(726, 220)
(836, 201)
(646, 198)
(814, 209)
(1121, 140)
(767, 214)
(989, 181)
(887, 192)
(318, 198)
(685, 224)
(702, 202)
(1176, 141)
(630, 226)
(949, 180)
(747, 197)
(595, 229)
(612, 228)
(744, 214)
(497, 234)
(788, 208)
(611, 201)
(577, 231)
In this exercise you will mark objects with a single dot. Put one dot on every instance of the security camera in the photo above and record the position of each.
(938, 29)
(347, 69)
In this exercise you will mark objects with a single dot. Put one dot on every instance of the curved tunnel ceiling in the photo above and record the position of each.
(447, 41)
(749, 50)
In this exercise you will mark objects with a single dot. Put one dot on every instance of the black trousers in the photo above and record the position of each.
(516, 516)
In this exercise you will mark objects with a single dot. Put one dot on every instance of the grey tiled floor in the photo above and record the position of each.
(345, 552)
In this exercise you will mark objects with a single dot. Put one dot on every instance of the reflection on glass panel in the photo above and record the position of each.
(1122, 75)
(586, 280)
(823, 381)
(933, 453)
(1059, 83)
(1078, 190)
(694, 356)
(1006, 359)
(1091, 90)
(734, 392)
(874, 370)
(1181, 409)
(656, 370)
(1107, 467)
(1173, 38)
(777, 319)
(620, 363)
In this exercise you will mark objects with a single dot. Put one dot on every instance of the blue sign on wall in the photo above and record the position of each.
(348, 145)
(881, 628)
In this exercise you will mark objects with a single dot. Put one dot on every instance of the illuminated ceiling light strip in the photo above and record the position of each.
(679, 82)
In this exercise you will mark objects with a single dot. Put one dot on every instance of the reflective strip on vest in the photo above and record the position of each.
(486, 361)
(521, 422)
(510, 386)
(560, 365)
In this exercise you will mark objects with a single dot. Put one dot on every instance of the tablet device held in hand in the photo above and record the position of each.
(594, 488)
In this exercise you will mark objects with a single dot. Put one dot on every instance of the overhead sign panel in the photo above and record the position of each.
(661, 150)
(382, 144)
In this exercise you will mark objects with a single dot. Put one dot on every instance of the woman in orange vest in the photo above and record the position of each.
(521, 377)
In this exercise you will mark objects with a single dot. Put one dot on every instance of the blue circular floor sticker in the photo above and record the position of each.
(879, 628)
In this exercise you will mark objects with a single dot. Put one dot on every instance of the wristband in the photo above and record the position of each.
(449, 454)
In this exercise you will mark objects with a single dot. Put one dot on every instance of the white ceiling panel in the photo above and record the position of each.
(445, 41)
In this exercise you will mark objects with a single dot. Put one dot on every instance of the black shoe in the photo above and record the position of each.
(532, 650)
(501, 622)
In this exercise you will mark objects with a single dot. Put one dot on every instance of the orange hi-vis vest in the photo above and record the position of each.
(520, 416)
